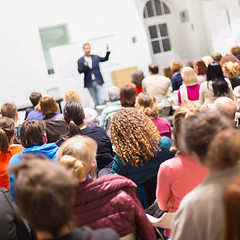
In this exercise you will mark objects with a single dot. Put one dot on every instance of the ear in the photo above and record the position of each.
(44, 138)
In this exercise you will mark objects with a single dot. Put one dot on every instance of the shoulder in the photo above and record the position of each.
(81, 59)
(15, 159)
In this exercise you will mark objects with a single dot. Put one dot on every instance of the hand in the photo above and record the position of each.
(107, 46)
(86, 62)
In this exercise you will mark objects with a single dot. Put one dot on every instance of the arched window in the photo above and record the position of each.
(155, 8)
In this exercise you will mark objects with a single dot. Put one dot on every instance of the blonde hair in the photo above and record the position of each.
(148, 104)
(72, 95)
(207, 60)
(189, 76)
(231, 68)
(79, 154)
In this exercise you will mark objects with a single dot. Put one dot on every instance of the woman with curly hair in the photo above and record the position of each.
(139, 147)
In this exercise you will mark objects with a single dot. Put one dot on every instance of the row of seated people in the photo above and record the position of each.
(140, 150)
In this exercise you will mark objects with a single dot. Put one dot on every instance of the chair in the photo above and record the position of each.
(130, 236)
(163, 222)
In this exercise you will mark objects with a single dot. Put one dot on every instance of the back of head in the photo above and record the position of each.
(231, 68)
(72, 95)
(44, 192)
(134, 136)
(224, 106)
(235, 50)
(176, 66)
(189, 76)
(32, 133)
(137, 77)
(35, 98)
(148, 104)
(114, 93)
(217, 57)
(7, 127)
(198, 131)
(232, 211)
(224, 151)
(167, 72)
(128, 96)
(207, 60)
(78, 154)
(228, 58)
(200, 67)
(48, 105)
(153, 68)
(9, 110)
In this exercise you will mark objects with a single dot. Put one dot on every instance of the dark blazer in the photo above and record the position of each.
(95, 69)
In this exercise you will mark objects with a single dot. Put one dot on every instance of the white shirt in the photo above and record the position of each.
(89, 59)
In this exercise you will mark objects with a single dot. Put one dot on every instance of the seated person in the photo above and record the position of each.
(109, 201)
(201, 71)
(44, 192)
(176, 75)
(148, 103)
(231, 71)
(34, 98)
(212, 140)
(34, 140)
(235, 51)
(137, 77)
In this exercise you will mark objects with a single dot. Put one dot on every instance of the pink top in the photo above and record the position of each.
(163, 127)
(177, 177)
(192, 92)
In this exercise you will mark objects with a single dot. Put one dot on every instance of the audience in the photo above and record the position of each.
(7, 148)
(201, 71)
(213, 142)
(156, 84)
(34, 98)
(128, 96)
(148, 103)
(228, 58)
(215, 86)
(109, 201)
(231, 71)
(189, 90)
(176, 77)
(44, 192)
(55, 124)
(137, 77)
(140, 150)
(167, 72)
(74, 117)
(235, 51)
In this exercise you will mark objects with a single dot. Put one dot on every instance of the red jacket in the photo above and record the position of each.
(110, 201)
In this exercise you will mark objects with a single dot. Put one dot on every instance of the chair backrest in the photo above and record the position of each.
(164, 222)
(130, 236)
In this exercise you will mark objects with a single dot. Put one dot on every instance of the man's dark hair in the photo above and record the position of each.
(153, 68)
(44, 192)
(35, 98)
(128, 96)
(9, 110)
(31, 133)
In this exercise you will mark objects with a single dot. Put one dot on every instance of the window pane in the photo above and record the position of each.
(158, 7)
(166, 45)
(166, 8)
(149, 9)
(156, 47)
(153, 32)
(163, 30)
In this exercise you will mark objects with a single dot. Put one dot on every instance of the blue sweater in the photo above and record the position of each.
(149, 169)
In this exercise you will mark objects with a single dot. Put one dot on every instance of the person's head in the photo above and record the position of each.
(87, 49)
(217, 57)
(198, 131)
(200, 67)
(48, 105)
(189, 64)
(153, 68)
(74, 116)
(167, 72)
(35, 98)
(176, 66)
(225, 106)
(207, 60)
(184, 111)
(128, 96)
(232, 210)
(134, 136)
(231, 69)
(235, 50)
(228, 58)
(148, 104)
(137, 77)
(215, 74)
(72, 95)
(33, 133)
(189, 76)
(224, 150)
(7, 128)
(44, 193)
(79, 154)
(114, 94)
(9, 110)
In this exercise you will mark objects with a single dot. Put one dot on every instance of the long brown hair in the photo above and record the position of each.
(6, 132)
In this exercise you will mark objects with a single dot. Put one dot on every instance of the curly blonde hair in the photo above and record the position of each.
(231, 68)
(134, 136)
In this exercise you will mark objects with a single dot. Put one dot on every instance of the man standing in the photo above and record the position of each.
(93, 80)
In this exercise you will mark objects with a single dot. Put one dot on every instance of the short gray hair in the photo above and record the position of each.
(114, 93)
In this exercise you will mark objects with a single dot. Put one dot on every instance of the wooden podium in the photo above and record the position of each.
(122, 77)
